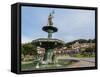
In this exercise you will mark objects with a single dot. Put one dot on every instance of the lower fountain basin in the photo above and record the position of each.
(62, 63)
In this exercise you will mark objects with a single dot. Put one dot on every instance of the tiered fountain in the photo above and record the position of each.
(49, 43)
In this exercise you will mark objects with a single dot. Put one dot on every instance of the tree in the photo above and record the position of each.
(28, 48)
(88, 51)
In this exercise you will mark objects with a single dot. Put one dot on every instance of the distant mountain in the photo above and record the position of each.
(81, 41)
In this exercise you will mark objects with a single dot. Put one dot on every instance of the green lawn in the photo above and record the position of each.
(84, 56)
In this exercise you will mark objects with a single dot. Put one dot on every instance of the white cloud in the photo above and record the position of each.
(26, 39)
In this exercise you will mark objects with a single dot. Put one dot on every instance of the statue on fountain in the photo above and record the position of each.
(50, 17)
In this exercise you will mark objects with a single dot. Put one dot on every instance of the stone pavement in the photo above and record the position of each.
(82, 62)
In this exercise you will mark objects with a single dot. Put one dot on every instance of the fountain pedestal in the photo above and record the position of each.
(48, 55)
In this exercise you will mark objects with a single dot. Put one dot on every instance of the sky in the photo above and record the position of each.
(72, 24)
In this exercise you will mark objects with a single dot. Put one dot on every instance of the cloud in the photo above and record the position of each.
(26, 39)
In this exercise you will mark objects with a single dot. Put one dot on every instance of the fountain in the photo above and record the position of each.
(48, 43)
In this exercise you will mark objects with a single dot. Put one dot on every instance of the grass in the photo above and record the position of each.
(84, 56)
(27, 66)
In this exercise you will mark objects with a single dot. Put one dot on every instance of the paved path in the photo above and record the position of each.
(82, 62)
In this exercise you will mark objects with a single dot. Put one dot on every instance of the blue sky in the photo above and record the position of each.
(72, 24)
